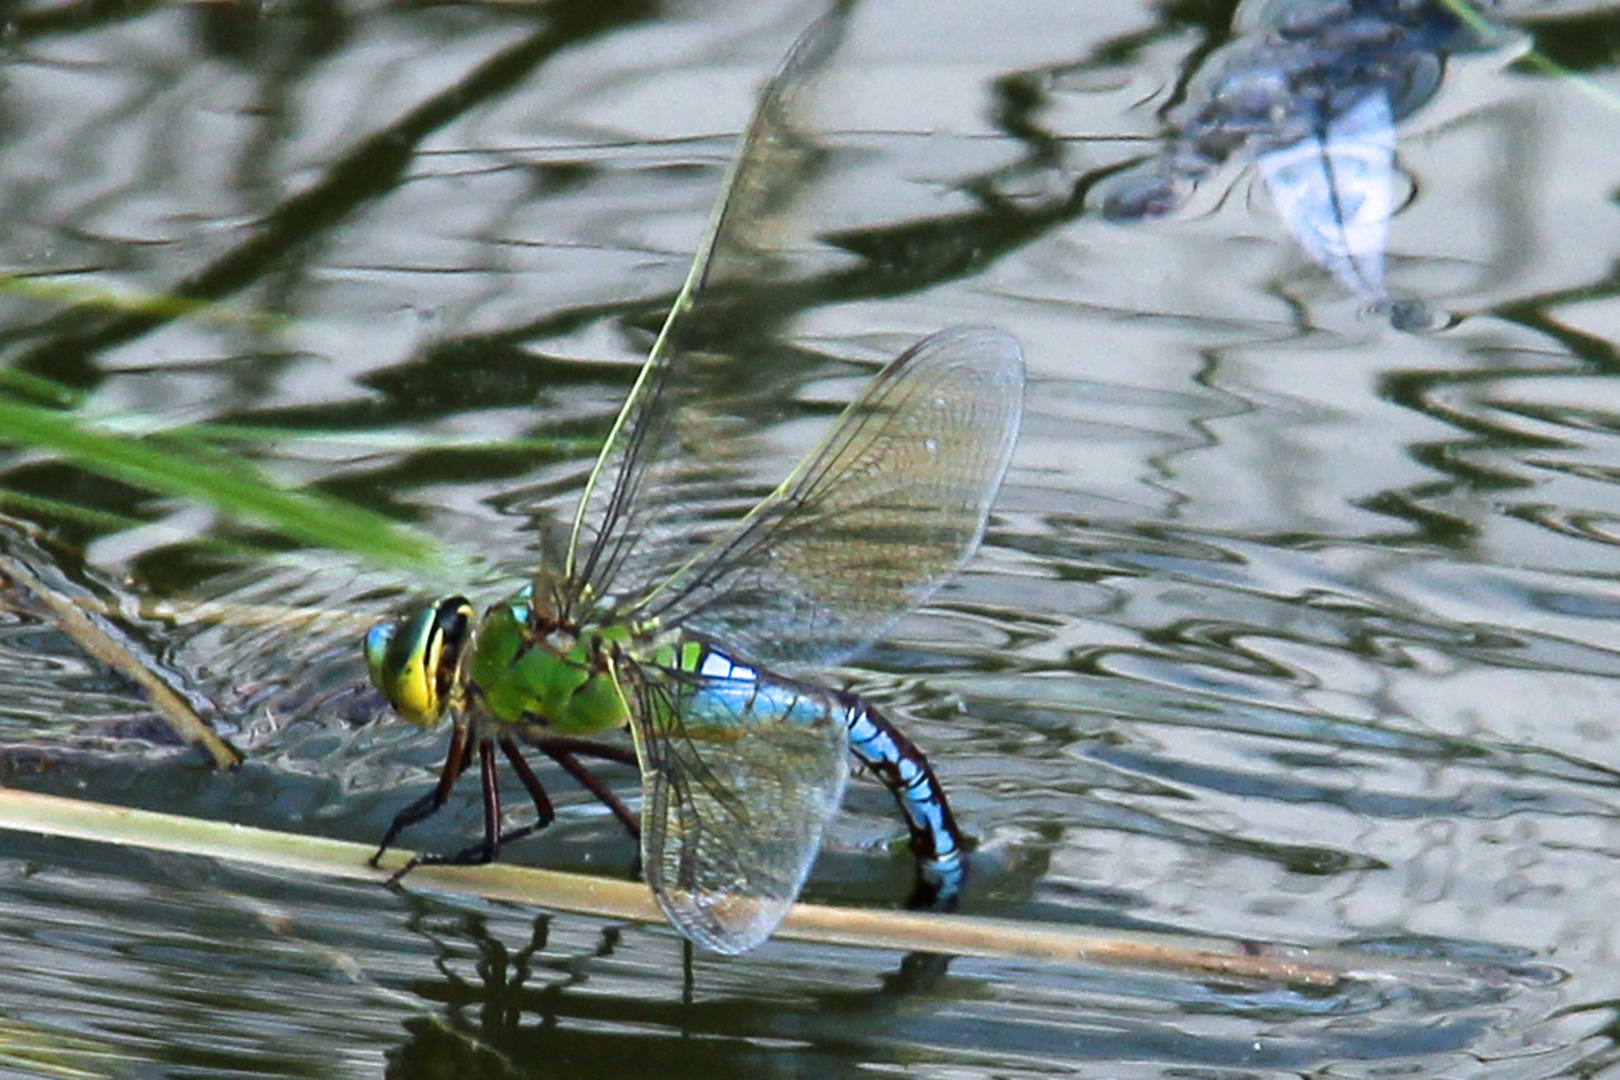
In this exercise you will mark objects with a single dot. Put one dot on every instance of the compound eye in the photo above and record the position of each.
(414, 661)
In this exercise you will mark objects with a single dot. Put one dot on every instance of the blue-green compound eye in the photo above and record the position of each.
(413, 661)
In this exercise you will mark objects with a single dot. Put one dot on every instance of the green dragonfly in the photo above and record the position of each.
(697, 635)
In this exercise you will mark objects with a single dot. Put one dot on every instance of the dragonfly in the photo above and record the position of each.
(702, 637)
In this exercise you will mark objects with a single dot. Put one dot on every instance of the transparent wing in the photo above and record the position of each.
(1336, 192)
(891, 504)
(639, 489)
(738, 778)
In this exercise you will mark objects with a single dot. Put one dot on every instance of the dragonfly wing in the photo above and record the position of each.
(640, 491)
(891, 503)
(739, 775)
(1336, 192)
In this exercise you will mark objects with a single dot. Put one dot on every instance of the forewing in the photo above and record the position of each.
(891, 503)
(639, 494)
(738, 778)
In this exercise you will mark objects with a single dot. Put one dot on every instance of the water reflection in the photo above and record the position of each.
(536, 1006)
(64, 346)
(530, 1009)
(1288, 630)
(1313, 97)
(283, 39)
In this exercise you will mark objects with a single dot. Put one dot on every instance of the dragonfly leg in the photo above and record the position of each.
(537, 792)
(588, 748)
(456, 761)
(935, 839)
(563, 750)
(484, 852)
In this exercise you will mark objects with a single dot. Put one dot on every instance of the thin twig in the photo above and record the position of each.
(605, 898)
(103, 645)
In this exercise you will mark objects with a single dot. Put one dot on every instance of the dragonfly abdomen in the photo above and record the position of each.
(895, 759)
(750, 697)
(751, 693)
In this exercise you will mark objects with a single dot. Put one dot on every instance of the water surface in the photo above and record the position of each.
(1291, 625)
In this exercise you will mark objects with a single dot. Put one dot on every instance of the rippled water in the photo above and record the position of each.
(1290, 625)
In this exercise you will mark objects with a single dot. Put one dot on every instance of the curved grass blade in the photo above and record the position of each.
(235, 491)
(631, 494)
(1488, 30)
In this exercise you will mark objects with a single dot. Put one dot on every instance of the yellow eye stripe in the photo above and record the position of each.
(418, 686)
(412, 661)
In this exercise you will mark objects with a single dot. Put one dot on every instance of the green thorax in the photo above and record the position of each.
(528, 666)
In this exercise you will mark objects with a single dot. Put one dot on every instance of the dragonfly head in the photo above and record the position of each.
(413, 660)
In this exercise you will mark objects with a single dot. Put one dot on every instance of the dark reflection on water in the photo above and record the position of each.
(522, 1011)
(298, 979)
(1289, 627)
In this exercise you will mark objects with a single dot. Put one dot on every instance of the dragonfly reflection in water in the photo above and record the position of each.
(742, 764)
(1335, 190)
(1314, 96)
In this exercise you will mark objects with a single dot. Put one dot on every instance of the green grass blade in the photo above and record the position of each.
(235, 491)
(1485, 28)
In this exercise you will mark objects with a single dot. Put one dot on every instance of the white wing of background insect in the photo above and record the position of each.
(1336, 192)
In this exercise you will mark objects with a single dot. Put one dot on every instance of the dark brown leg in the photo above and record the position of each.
(531, 783)
(485, 852)
(456, 761)
(562, 749)
(568, 744)
(492, 800)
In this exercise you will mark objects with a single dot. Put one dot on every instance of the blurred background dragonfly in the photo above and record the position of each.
(1311, 95)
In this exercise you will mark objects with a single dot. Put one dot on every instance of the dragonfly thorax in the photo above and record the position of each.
(527, 667)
